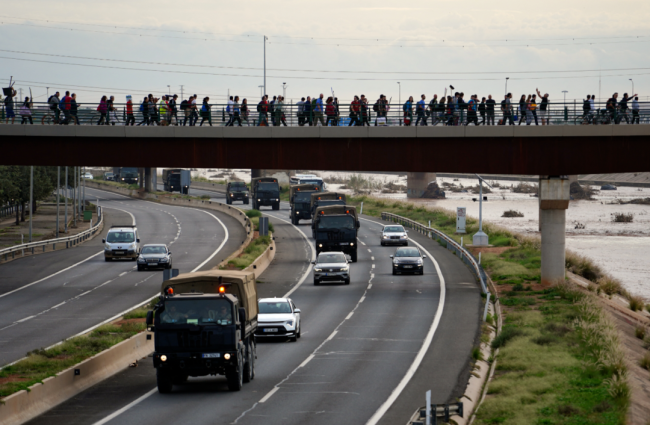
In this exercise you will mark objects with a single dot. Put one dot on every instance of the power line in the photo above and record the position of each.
(401, 44)
(306, 78)
(509, 72)
(315, 38)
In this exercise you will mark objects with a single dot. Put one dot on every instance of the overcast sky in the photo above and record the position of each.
(211, 47)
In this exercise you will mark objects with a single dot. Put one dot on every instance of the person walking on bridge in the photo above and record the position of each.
(635, 110)
(25, 112)
(543, 108)
(432, 110)
(65, 107)
(481, 110)
(472, 107)
(102, 109)
(53, 101)
(262, 108)
(129, 111)
(318, 111)
(363, 107)
(625, 107)
(153, 115)
(421, 109)
(355, 109)
(307, 111)
(522, 109)
(489, 106)
(206, 114)
(9, 107)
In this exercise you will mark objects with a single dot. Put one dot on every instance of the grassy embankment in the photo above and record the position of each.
(41, 364)
(559, 361)
(256, 248)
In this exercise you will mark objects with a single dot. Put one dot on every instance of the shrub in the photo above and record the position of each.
(476, 353)
(253, 213)
(620, 217)
(507, 333)
(645, 361)
(636, 303)
(512, 213)
(640, 331)
(610, 286)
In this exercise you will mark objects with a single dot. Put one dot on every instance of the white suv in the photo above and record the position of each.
(121, 242)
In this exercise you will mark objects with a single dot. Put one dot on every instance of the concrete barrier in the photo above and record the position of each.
(263, 261)
(24, 405)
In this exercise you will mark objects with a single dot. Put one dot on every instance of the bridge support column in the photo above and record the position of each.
(282, 175)
(149, 177)
(417, 183)
(554, 201)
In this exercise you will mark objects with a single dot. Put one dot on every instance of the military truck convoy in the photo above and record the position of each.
(125, 174)
(265, 192)
(237, 191)
(324, 199)
(204, 324)
(300, 196)
(335, 228)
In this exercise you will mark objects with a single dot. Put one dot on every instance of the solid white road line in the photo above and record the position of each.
(374, 419)
(125, 408)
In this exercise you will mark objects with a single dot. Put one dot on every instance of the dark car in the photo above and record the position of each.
(154, 256)
(408, 260)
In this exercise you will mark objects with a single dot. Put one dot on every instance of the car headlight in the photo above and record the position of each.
(345, 269)
(317, 269)
(164, 260)
(140, 259)
(420, 261)
(289, 322)
(231, 195)
(384, 237)
(403, 236)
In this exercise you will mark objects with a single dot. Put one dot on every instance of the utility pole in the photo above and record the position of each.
(265, 38)
(261, 91)
(65, 200)
(58, 197)
(507, 78)
(169, 92)
(182, 93)
(31, 201)
(74, 199)
(632, 94)
(83, 203)
(400, 99)
(284, 90)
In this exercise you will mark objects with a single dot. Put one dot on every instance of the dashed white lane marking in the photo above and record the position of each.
(349, 315)
(369, 250)
(372, 258)
(122, 274)
(362, 242)
(266, 397)
(25, 319)
(373, 266)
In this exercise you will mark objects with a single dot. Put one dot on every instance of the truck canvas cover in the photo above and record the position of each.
(336, 210)
(264, 180)
(327, 195)
(302, 188)
(241, 284)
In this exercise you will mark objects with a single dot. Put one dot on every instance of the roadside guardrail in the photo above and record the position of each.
(451, 245)
(69, 241)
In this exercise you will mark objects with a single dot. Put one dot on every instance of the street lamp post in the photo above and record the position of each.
(507, 78)
(261, 91)
(480, 238)
(169, 90)
(566, 111)
(632, 94)
(265, 38)
(284, 90)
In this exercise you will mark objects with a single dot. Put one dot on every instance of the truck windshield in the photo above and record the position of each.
(266, 187)
(120, 237)
(326, 202)
(336, 222)
(315, 182)
(302, 197)
(196, 312)
(238, 186)
(129, 170)
(274, 307)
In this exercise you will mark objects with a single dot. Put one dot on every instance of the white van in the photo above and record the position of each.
(121, 242)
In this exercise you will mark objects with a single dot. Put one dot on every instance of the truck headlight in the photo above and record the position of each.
(226, 356)
(351, 243)
(277, 199)
(320, 245)
(163, 358)
(297, 212)
(259, 200)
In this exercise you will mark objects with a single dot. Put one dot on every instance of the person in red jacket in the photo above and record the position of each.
(129, 111)
(330, 111)
(355, 109)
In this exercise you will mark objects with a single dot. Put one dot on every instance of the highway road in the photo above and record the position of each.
(49, 297)
(368, 352)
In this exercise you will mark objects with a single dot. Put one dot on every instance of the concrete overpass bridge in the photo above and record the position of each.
(552, 152)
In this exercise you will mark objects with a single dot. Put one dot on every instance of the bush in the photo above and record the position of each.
(640, 331)
(610, 286)
(636, 303)
(645, 361)
(512, 213)
(253, 213)
(507, 333)
(619, 217)
(476, 353)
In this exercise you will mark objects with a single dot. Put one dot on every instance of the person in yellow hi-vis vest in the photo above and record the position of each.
(163, 110)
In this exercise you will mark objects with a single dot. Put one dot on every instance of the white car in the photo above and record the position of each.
(87, 176)
(394, 234)
(278, 317)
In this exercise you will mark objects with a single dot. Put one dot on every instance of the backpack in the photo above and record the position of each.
(503, 104)
(375, 107)
(404, 107)
(184, 105)
(228, 108)
(52, 104)
(142, 107)
(259, 107)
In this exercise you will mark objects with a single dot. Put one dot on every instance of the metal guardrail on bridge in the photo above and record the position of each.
(450, 244)
(69, 241)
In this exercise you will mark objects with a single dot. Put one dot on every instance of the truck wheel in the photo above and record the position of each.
(246, 202)
(164, 381)
(236, 377)
(353, 256)
(248, 367)
(253, 357)
(180, 379)
(276, 206)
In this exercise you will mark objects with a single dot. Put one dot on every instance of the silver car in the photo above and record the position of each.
(394, 234)
(154, 255)
(331, 266)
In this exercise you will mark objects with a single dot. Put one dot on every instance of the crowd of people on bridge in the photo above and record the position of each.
(450, 110)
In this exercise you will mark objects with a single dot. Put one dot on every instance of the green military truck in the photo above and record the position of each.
(204, 324)
(265, 192)
(324, 199)
(300, 200)
(335, 228)
(237, 191)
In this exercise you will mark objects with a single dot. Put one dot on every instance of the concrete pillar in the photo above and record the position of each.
(554, 201)
(148, 179)
(282, 175)
(417, 183)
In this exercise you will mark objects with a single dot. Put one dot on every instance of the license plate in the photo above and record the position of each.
(119, 252)
(344, 243)
(270, 330)
(408, 267)
(211, 355)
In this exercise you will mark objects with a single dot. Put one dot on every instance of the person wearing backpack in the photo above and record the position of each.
(481, 110)
(54, 101)
(432, 110)
(173, 109)
(144, 110)
(102, 109)
(355, 107)
(365, 113)
(263, 108)
(205, 112)
(185, 107)
(25, 111)
(307, 111)
(472, 117)
(407, 108)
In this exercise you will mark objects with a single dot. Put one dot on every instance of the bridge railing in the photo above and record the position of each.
(69, 241)
(453, 246)
(293, 115)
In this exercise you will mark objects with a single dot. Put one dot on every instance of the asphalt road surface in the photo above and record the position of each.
(368, 352)
(49, 297)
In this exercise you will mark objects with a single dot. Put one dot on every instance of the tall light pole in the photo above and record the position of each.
(565, 92)
(284, 90)
(261, 91)
(58, 197)
(507, 78)
(182, 93)
(632, 94)
(169, 90)
(65, 200)
(31, 201)
(265, 38)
